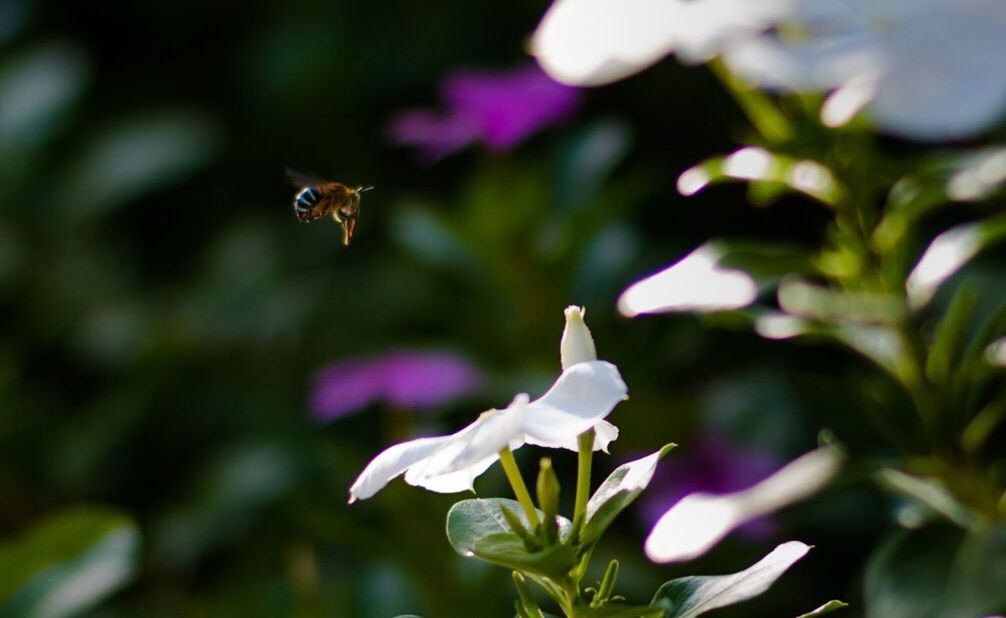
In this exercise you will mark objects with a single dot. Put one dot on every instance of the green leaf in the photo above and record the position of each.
(948, 253)
(838, 307)
(929, 492)
(508, 549)
(976, 583)
(618, 491)
(827, 608)
(957, 176)
(67, 563)
(907, 576)
(754, 164)
(693, 596)
(38, 88)
(470, 521)
(133, 158)
(767, 263)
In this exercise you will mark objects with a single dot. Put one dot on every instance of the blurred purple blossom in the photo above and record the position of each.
(499, 109)
(713, 465)
(401, 378)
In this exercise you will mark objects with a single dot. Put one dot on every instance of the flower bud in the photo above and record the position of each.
(548, 499)
(577, 346)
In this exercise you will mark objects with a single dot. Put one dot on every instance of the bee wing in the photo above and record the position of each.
(303, 179)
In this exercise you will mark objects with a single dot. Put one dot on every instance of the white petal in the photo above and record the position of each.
(695, 283)
(582, 396)
(706, 27)
(390, 463)
(605, 434)
(475, 443)
(593, 42)
(818, 64)
(948, 74)
(576, 345)
(698, 521)
(452, 482)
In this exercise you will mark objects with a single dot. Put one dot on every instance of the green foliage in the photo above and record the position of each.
(68, 563)
(617, 492)
(471, 521)
(827, 608)
(695, 595)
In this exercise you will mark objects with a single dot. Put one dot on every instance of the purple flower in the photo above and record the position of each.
(402, 378)
(712, 466)
(498, 109)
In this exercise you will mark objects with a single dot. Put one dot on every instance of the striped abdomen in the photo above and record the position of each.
(305, 202)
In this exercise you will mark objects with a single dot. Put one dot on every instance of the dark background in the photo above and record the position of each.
(163, 312)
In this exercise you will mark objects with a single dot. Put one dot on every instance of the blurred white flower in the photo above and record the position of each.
(582, 396)
(593, 42)
(697, 282)
(698, 521)
(924, 69)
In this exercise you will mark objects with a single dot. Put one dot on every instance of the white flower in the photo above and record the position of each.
(593, 42)
(579, 400)
(696, 282)
(698, 521)
(576, 345)
(925, 69)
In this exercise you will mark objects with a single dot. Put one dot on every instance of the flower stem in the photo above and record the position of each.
(760, 110)
(519, 488)
(585, 455)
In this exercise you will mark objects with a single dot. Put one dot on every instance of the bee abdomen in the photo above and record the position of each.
(304, 203)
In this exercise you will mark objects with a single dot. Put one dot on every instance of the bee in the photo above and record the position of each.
(318, 198)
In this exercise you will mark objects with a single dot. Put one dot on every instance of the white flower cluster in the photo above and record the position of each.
(921, 69)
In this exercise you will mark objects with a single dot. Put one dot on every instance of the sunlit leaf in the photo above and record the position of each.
(470, 521)
(948, 252)
(833, 306)
(695, 595)
(697, 282)
(617, 492)
(827, 608)
(759, 165)
(967, 176)
(67, 563)
(699, 520)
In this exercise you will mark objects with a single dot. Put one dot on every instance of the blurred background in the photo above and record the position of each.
(172, 335)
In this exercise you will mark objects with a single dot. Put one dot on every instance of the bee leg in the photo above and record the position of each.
(348, 227)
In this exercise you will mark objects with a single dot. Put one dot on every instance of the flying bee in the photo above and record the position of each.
(318, 198)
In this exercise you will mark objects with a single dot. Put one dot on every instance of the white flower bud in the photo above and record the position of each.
(577, 346)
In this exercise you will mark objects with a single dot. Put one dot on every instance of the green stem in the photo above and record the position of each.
(519, 488)
(760, 110)
(585, 455)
